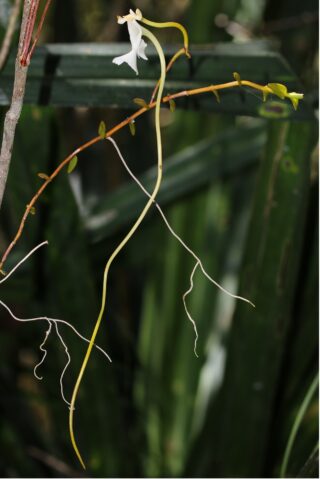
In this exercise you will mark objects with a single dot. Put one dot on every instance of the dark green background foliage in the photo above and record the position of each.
(242, 191)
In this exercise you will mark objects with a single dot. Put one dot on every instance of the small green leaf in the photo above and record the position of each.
(236, 76)
(141, 102)
(102, 130)
(265, 95)
(43, 176)
(216, 94)
(72, 164)
(32, 210)
(172, 105)
(278, 89)
(132, 127)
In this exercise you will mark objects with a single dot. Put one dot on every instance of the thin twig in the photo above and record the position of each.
(6, 44)
(38, 32)
(119, 126)
(28, 32)
(39, 192)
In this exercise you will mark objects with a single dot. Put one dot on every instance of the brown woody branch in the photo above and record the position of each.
(14, 111)
(24, 54)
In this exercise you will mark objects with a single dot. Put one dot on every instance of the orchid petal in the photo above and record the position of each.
(121, 20)
(129, 58)
(141, 50)
(138, 45)
(135, 34)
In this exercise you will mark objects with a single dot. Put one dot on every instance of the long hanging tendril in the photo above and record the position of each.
(125, 240)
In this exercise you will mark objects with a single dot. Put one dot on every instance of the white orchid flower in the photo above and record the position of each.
(138, 45)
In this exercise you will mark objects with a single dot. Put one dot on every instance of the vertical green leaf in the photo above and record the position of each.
(132, 127)
(102, 130)
(236, 76)
(216, 94)
(172, 105)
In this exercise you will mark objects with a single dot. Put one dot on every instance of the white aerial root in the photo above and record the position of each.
(190, 251)
(66, 366)
(54, 320)
(50, 321)
(187, 311)
(7, 276)
(45, 352)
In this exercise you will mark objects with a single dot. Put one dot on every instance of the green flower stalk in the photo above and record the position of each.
(129, 58)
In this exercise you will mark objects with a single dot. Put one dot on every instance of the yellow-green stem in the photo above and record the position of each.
(171, 25)
(171, 62)
(125, 240)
